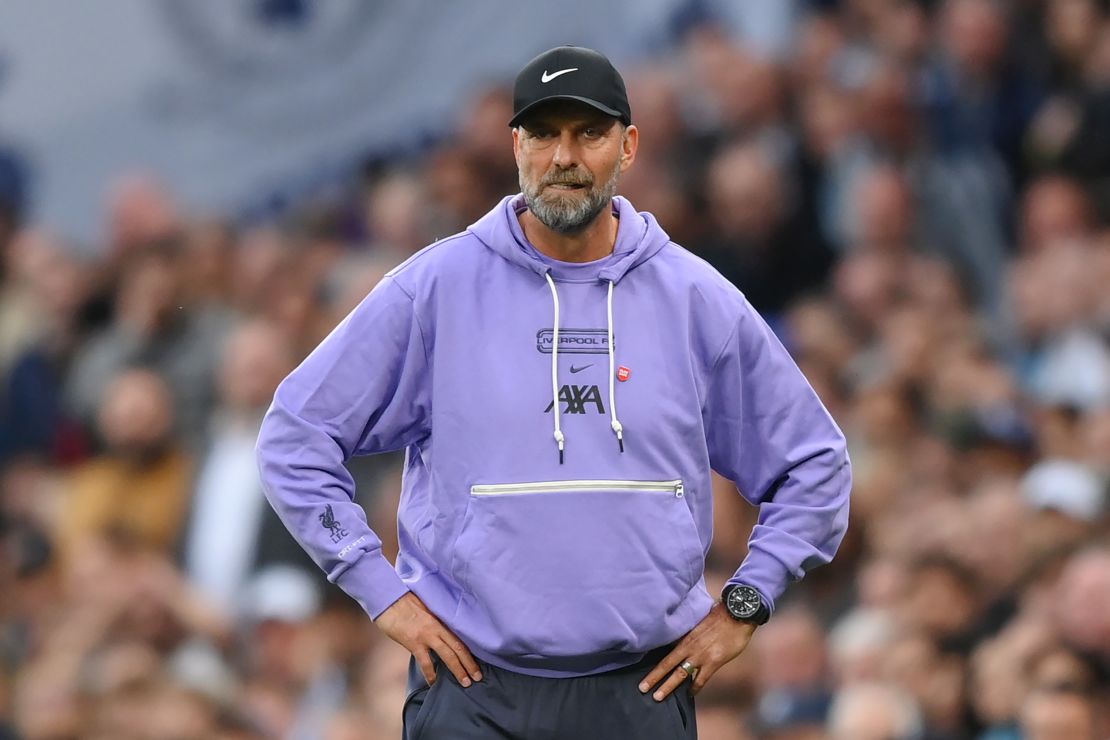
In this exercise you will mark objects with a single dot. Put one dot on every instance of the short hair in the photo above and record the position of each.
(900, 706)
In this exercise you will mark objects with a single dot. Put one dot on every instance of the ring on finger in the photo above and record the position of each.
(690, 669)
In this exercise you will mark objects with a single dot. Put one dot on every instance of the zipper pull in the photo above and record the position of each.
(679, 490)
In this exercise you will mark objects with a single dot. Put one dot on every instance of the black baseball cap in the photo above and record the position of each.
(571, 73)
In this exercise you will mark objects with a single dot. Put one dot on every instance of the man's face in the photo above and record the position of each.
(1057, 716)
(570, 157)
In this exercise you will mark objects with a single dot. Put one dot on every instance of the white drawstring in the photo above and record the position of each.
(559, 438)
(615, 422)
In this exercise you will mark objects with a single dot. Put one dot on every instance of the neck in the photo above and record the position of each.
(591, 243)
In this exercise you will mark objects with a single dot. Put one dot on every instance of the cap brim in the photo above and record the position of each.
(515, 121)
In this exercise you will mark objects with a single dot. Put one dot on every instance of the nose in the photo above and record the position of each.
(566, 154)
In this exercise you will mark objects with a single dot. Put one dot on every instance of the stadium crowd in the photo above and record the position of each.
(915, 194)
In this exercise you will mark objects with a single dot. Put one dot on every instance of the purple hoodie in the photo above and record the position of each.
(556, 507)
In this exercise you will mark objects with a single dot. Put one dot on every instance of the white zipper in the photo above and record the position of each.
(502, 489)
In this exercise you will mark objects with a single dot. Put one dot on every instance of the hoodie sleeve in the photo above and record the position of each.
(365, 389)
(769, 433)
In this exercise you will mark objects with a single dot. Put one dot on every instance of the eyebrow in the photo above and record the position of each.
(603, 122)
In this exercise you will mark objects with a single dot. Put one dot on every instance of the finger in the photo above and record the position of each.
(451, 660)
(704, 674)
(470, 665)
(673, 682)
(664, 667)
(427, 667)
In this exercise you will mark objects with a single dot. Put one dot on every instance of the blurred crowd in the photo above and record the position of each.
(915, 193)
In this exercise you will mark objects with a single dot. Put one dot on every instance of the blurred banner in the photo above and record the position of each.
(241, 104)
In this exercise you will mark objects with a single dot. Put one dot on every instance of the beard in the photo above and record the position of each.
(568, 214)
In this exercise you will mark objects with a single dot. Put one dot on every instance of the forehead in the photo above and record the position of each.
(559, 113)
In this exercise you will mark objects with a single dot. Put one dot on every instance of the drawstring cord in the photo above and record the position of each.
(614, 421)
(559, 438)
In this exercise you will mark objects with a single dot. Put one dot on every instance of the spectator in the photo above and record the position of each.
(978, 96)
(792, 664)
(33, 417)
(1065, 361)
(1059, 714)
(755, 241)
(1055, 212)
(154, 329)
(141, 213)
(395, 214)
(873, 712)
(208, 254)
(1083, 605)
(857, 645)
(139, 488)
(231, 533)
(962, 196)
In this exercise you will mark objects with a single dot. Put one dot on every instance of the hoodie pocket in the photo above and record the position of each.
(563, 568)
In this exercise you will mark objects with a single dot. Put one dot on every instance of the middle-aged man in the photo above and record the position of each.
(563, 378)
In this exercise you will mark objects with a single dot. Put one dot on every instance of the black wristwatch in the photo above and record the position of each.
(744, 604)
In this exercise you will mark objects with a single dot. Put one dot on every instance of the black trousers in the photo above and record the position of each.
(506, 705)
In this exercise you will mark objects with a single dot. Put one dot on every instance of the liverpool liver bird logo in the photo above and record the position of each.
(329, 522)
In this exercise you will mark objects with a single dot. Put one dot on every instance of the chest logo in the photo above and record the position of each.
(576, 397)
(574, 341)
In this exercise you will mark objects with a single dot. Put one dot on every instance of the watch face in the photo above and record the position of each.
(744, 602)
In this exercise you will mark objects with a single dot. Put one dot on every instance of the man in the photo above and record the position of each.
(562, 377)
(871, 711)
(230, 534)
(1059, 714)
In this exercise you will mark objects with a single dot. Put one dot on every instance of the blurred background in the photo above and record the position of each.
(915, 193)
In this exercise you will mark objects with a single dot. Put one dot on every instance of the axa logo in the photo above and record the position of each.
(576, 397)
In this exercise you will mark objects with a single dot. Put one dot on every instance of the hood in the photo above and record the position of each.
(639, 238)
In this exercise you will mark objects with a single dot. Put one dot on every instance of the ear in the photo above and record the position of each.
(629, 144)
(516, 144)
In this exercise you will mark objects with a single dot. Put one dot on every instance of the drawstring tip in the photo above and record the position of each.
(560, 457)
(618, 429)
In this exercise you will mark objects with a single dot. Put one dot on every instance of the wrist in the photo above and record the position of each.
(745, 604)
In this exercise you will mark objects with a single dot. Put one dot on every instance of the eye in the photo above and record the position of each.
(592, 132)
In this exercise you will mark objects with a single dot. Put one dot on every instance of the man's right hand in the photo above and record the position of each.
(409, 623)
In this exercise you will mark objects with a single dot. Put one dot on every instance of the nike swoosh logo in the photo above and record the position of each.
(574, 369)
(549, 77)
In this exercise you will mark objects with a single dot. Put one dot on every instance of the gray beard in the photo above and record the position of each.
(567, 215)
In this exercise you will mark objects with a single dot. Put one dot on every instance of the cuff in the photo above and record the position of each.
(766, 574)
(373, 583)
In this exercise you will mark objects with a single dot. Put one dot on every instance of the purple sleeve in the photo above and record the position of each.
(365, 389)
(769, 433)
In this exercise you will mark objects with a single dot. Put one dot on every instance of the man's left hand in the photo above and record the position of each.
(716, 640)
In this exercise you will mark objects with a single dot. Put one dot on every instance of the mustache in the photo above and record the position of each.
(567, 178)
